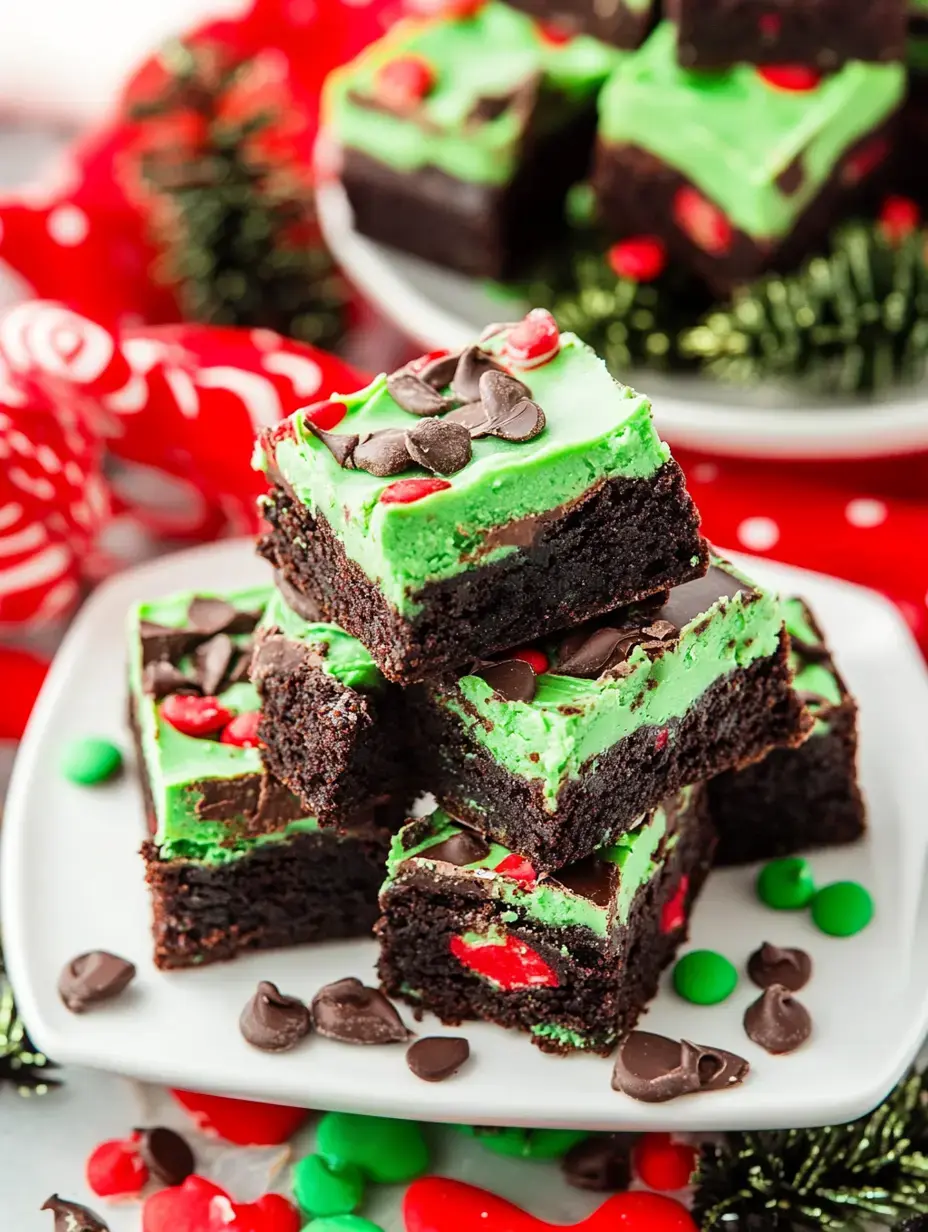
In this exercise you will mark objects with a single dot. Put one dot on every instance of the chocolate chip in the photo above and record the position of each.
(92, 977)
(601, 649)
(772, 965)
(415, 395)
(792, 177)
(520, 423)
(512, 680)
(441, 447)
(464, 847)
(437, 1057)
(211, 661)
(601, 1163)
(160, 642)
(241, 666)
(161, 679)
(499, 392)
(72, 1217)
(592, 878)
(304, 606)
(167, 1155)
(272, 1021)
(207, 615)
(352, 1013)
(341, 445)
(653, 1068)
(777, 1021)
(473, 417)
(383, 453)
(440, 372)
(472, 364)
(661, 630)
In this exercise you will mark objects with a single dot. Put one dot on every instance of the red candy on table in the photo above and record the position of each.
(200, 1206)
(517, 868)
(509, 963)
(662, 1163)
(533, 341)
(405, 491)
(797, 78)
(641, 258)
(243, 1122)
(193, 715)
(243, 730)
(403, 83)
(115, 1169)
(673, 913)
(703, 222)
(326, 415)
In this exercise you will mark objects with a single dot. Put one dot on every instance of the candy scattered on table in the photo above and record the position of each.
(198, 1205)
(704, 977)
(167, 1154)
(342, 1223)
(91, 760)
(787, 884)
(772, 965)
(386, 1151)
(777, 1021)
(520, 1143)
(842, 908)
(601, 1163)
(352, 1013)
(437, 1057)
(272, 1021)
(663, 1163)
(324, 1187)
(72, 1216)
(93, 977)
(243, 1122)
(115, 1169)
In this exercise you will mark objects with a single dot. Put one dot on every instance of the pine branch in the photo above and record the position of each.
(22, 1066)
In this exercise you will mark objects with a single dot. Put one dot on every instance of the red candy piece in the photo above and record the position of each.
(403, 83)
(794, 77)
(423, 361)
(326, 415)
(242, 1121)
(200, 1206)
(899, 216)
(554, 34)
(435, 1204)
(641, 258)
(662, 1163)
(865, 160)
(195, 716)
(115, 1170)
(517, 868)
(534, 341)
(405, 491)
(660, 740)
(769, 25)
(243, 730)
(536, 659)
(703, 222)
(673, 913)
(509, 963)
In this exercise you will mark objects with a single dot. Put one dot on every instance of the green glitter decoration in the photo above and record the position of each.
(22, 1066)
(875, 1168)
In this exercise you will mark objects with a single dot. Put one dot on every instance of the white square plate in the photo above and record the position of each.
(72, 881)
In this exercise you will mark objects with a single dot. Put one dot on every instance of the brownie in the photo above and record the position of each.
(460, 136)
(801, 798)
(623, 23)
(559, 746)
(743, 170)
(823, 34)
(471, 930)
(542, 497)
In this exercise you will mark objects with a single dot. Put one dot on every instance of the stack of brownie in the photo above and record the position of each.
(490, 586)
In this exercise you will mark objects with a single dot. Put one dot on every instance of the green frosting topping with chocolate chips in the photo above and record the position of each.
(489, 70)
(733, 135)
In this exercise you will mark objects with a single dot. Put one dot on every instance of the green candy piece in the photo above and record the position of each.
(386, 1151)
(91, 760)
(518, 1143)
(842, 908)
(342, 1223)
(323, 1187)
(704, 977)
(786, 885)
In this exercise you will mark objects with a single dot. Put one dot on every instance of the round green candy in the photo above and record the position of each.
(518, 1143)
(342, 1223)
(90, 760)
(325, 1188)
(842, 908)
(786, 885)
(704, 977)
(386, 1151)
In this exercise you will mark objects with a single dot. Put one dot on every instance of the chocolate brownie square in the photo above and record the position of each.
(509, 490)
(557, 747)
(743, 170)
(801, 798)
(470, 929)
(621, 23)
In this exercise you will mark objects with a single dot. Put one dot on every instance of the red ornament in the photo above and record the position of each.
(436, 1204)
(673, 913)
(534, 341)
(405, 491)
(241, 1121)
(403, 83)
(510, 963)
(243, 730)
(115, 1169)
(660, 740)
(641, 258)
(326, 415)
(797, 78)
(193, 715)
(703, 222)
(899, 217)
(662, 1163)
(22, 674)
(536, 659)
(517, 868)
(864, 161)
(200, 1206)
(769, 25)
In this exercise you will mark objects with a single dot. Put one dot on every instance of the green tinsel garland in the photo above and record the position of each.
(22, 1066)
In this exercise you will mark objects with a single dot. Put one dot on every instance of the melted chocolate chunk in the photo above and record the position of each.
(465, 847)
(442, 447)
(601, 1164)
(159, 642)
(592, 878)
(599, 650)
(352, 1013)
(772, 965)
(437, 1057)
(167, 1155)
(500, 391)
(416, 395)
(160, 679)
(521, 422)
(302, 604)
(383, 453)
(690, 600)
(440, 372)
(208, 616)
(211, 662)
(472, 364)
(777, 1021)
(93, 977)
(512, 680)
(473, 417)
(272, 1021)
(72, 1217)
(653, 1068)
(341, 445)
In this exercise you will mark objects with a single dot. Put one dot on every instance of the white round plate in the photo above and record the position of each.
(72, 881)
(440, 308)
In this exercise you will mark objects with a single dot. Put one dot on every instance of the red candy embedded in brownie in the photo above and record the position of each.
(899, 217)
(243, 730)
(865, 160)
(403, 83)
(641, 258)
(201, 1206)
(405, 491)
(769, 25)
(533, 341)
(662, 1163)
(508, 962)
(115, 1169)
(660, 740)
(195, 716)
(517, 868)
(536, 659)
(797, 78)
(673, 912)
(703, 222)
(326, 415)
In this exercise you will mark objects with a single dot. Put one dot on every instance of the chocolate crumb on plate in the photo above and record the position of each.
(167, 1155)
(436, 1057)
(653, 1068)
(273, 1021)
(353, 1013)
(93, 977)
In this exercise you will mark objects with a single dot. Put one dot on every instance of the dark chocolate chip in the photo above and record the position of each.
(208, 616)
(777, 1021)
(690, 600)
(72, 1217)
(383, 453)
(415, 395)
(601, 1163)
(272, 1021)
(167, 1155)
(473, 417)
(601, 649)
(499, 392)
(159, 642)
(211, 661)
(352, 1013)
(521, 422)
(440, 372)
(437, 1057)
(792, 177)
(92, 977)
(592, 878)
(653, 1068)
(772, 965)
(341, 445)
(440, 446)
(472, 364)
(512, 680)
(161, 679)
(303, 605)
(464, 847)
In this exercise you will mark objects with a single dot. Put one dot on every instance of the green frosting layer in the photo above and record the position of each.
(571, 721)
(490, 55)
(342, 656)
(733, 135)
(817, 679)
(596, 430)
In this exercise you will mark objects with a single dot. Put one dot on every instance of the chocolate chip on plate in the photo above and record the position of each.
(273, 1021)
(93, 977)
(772, 965)
(439, 445)
(437, 1057)
(653, 1068)
(352, 1013)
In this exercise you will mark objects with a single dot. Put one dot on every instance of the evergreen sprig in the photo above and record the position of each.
(22, 1066)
